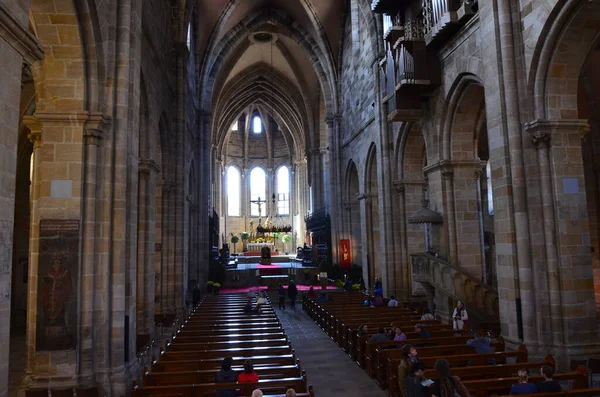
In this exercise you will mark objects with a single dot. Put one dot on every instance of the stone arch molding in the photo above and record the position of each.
(454, 98)
(218, 53)
(559, 55)
(262, 89)
(370, 161)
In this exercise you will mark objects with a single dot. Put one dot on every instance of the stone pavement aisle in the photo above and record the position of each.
(328, 369)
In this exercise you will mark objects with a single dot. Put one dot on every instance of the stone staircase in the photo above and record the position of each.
(480, 299)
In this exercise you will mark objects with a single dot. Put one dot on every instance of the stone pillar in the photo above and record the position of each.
(17, 45)
(404, 270)
(145, 248)
(57, 195)
(566, 233)
(365, 202)
(449, 212)
(93, 140)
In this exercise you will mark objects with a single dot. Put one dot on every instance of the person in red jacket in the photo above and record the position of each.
(248, 376)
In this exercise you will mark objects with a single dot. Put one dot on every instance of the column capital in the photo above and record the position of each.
(364, 196)
(93, 129)
(539, 127)
(148, 165)
(400, 186)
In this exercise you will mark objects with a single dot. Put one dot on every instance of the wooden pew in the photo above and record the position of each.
(487, 387)
(230, 344)
(218, 328)
(177, 338)
(373, 359)
(356, 345)
(461, 360)
(208, 376)
(429, 355)
(208, 389)
(244, 352)
(198, 364)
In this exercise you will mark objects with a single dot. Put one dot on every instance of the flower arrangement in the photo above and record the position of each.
(339, 283)
(355, 287)
(217, 285)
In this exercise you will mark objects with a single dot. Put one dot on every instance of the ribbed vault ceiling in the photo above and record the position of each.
(286, 79)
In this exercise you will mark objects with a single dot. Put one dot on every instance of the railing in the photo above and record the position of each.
(454, 282)
(387, 24)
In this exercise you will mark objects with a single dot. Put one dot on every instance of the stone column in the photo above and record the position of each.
(17, 45)
(145, 248)
(57, 194)
(93, 139)
(364, 200)
(566, 233)
(449, 211)
(404, 266)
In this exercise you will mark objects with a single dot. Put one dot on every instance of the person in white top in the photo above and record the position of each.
(393, 302)
(459, 316)
(427, 315)
(257, 393)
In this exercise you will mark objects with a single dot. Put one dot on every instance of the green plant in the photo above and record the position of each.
(339, 283)
(216, 285)
(210, 283)
(355, 287)
(245, 235)
(286, 238)
(234, 241)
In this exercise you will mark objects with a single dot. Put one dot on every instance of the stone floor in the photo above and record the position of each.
(328, 369)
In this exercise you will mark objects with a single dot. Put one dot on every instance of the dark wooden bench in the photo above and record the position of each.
(230, 344)
(299, 384)
(208, 376)
(198, 364)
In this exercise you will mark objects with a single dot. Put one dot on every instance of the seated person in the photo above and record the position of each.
(248, 375)
(379, 301)
(427, 315)
(481, 345)
(422, 333)
(362, 330)
(415, 381)
(259, 303)
(248, 306)
(393, 302)
(380, 336)
(312, 294)
(322, 297)
(226, 375)
(548, 385)
(523, 387)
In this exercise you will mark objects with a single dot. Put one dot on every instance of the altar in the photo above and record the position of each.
(256, 247)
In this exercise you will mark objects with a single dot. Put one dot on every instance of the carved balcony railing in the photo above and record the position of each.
(454, 282)
(444, 17)
(393, 29)
(407, 74)
(388, 6)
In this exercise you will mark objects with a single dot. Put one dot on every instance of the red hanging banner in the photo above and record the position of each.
(345, 254)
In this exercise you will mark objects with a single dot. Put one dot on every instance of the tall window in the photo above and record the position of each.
(189, 36)
(234, 126)
(234, 183)
(490, 193)
(258, 189)
(256, 125)
(283, 191)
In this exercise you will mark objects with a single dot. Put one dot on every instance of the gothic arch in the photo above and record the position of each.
(559, 55)
(458, 92)
(218, 53)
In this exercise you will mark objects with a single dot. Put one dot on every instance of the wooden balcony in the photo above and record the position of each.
(443, 18)
(407, 75)
(393, 29)
(388, 6)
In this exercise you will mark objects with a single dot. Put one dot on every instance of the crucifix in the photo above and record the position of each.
(259, 202)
